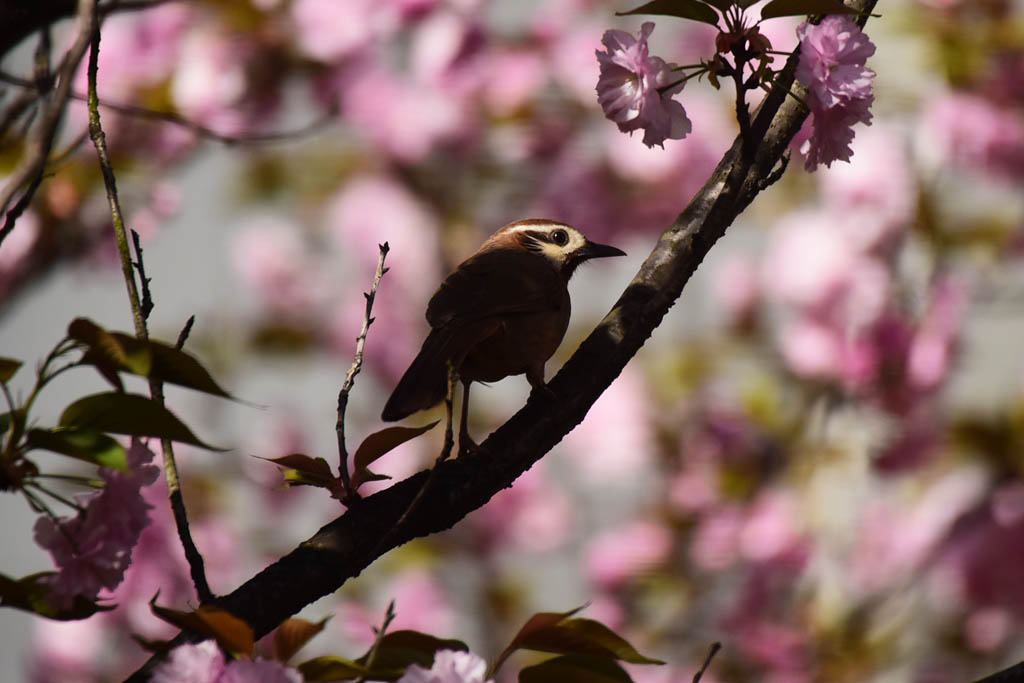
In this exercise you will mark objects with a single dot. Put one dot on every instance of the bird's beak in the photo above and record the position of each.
(594, 250)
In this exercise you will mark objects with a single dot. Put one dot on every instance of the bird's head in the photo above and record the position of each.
(562, 245)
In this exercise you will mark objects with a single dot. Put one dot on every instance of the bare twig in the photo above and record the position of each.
(379, 633)
(198, 129)
(353, 370)
(715, 647)
(139, 315)
(147, 297)
(29, 173)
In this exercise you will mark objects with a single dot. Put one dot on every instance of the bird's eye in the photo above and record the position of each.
(560, 237)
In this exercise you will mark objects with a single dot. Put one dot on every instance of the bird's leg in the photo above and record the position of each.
(535, 376)
(466, 444)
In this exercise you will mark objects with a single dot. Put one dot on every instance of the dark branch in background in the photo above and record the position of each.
(350, 377)
(29, 172)
(198, 129)
(345, 547)
(140, 308)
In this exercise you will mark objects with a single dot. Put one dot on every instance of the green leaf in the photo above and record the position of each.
(8, 366)
(399, 649)
(233, 634)
(378, 444)
(293, 634)
(584, 637)
(684, 9)
(85, 444)
(301, 470)
(172, 365)
(322, 669)
(575, 669)
(797, 8)
(30, 593)
(106, 352)
(131, 414)
(116, 351)
(537, 623)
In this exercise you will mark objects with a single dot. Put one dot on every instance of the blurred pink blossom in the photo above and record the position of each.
(572, 47)
(450, 666)
(205, 663)
(988, 628)
(736, 287)
(695, 488)
(832, 58)
(615, 556)
(970, 129)
(211, 82)
(103, 535)
(808, 261)
(930, 354)
(329, 31)
(66, 651)
(403, 118)
(635, 90)
(772, 527)
(615, 439)
(533, 514)
(514, 77)
(270, 256)
(442, 45)
(716, 539)
(421, 604)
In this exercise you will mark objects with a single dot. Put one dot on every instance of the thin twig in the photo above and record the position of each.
(33, 163)
(715, 647)
(379, 633)
(147, 297)
(139, 315)
(353, 370)
(199, 129)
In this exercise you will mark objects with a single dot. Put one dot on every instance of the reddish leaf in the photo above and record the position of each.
(378, 444)
(800, 8)
(584, 637)
(683, 9)
(399, 649)
(233, 634)
(302, 470)
(293, 634)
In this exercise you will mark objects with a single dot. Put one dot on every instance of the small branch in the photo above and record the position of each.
(199, 129)
(147, 298)
(140, 312)
(353, 370)
(715, 647)
(379, 633)
(30, 171)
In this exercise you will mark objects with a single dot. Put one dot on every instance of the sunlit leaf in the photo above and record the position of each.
(30, 593)
(575, 669)
(799, 8)
(293, 634)
(84, 444)
(535, 624)
(131, 414)
(300, 469)
(233, 634)
(684, 9)
(117, 351)
(8, 366)
(378, 444)
(323, 669)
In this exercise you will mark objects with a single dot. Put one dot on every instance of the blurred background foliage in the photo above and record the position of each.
(818, 458)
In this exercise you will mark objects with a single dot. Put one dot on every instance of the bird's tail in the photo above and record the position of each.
(424, 384)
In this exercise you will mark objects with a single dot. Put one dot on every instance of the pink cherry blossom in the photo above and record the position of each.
(617, 555)
(832, 58)
(450, 666)
(104, 534)
(635, 90)
(971, 130)
(205, 663)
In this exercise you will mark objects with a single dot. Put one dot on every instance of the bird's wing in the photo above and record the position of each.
(495, 284)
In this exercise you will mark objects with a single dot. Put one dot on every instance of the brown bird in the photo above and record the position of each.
(502, 312)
